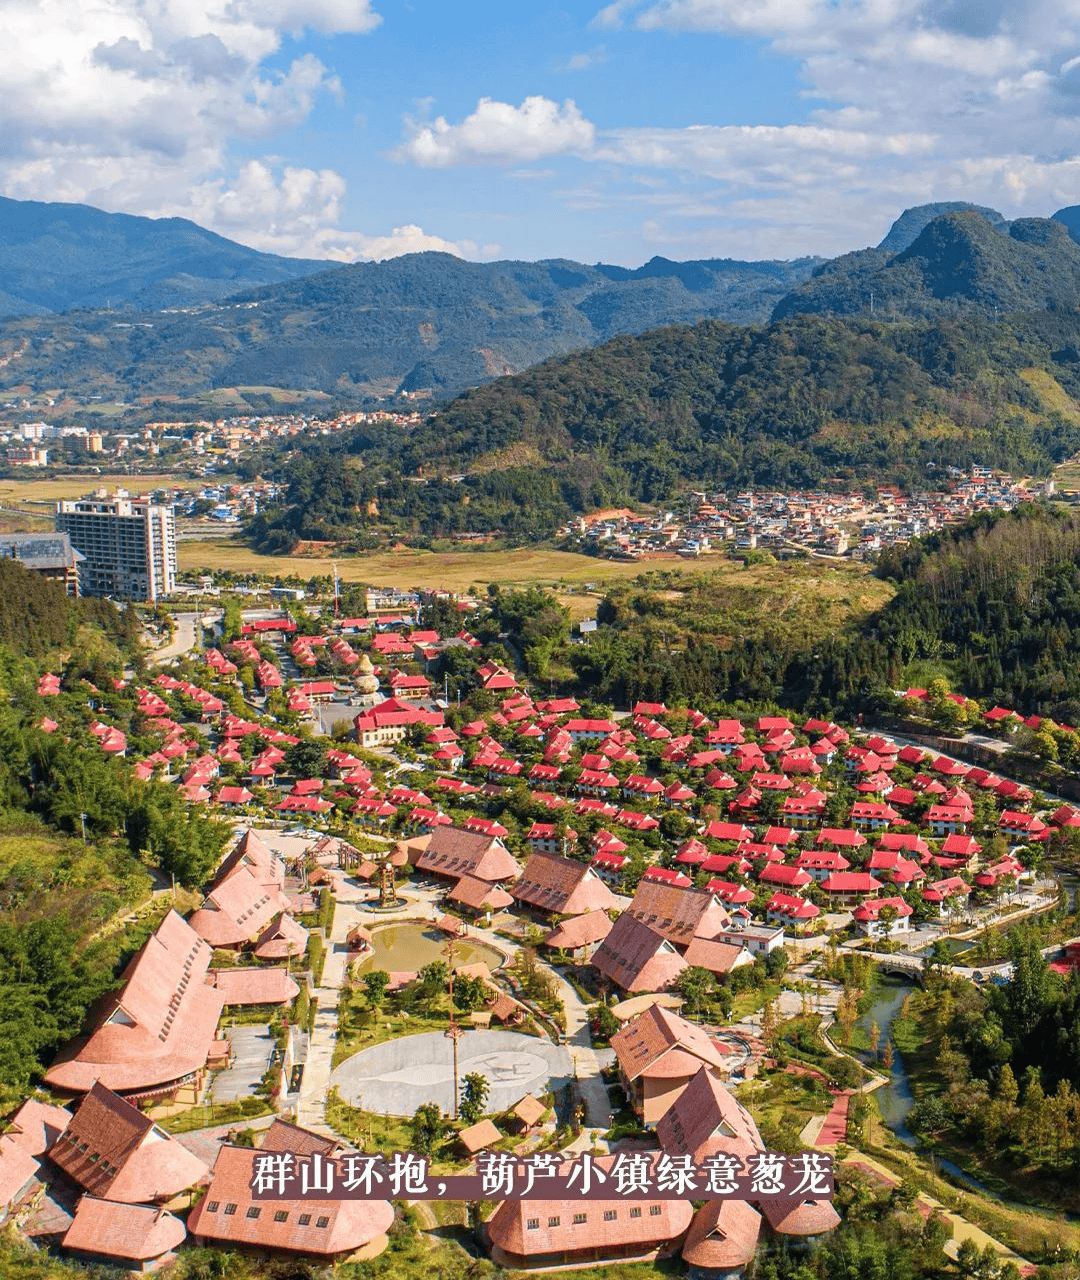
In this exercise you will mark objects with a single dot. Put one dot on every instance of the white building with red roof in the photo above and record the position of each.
(871, 917)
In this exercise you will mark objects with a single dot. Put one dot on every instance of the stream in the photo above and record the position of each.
(895, 1098)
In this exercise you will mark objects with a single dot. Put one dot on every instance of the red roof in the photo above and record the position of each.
(850, 882)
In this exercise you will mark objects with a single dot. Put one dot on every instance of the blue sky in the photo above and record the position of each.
(689, 128)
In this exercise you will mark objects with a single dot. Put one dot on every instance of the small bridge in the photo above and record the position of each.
(905, 965)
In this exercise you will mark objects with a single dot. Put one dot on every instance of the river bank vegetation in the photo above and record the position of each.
(995, 1073)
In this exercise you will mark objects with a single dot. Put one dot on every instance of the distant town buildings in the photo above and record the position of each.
(826, 523)
(128, 545)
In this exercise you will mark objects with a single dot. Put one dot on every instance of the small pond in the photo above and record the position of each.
(409, 947)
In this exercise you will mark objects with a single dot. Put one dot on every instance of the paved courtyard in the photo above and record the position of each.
(251, 1049)
(395, 1077)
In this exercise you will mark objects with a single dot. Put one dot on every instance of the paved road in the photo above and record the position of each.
(252, 1047)
(182, 642)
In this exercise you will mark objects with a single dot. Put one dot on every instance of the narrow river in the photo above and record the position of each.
(894, 1099)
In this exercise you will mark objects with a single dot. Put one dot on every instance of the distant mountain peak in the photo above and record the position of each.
(911, 223)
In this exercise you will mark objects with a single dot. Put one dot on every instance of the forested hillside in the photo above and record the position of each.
(641, 419)
(960, 264)
(425, 321)
(54, 257)
(78, 831)
(996, 601)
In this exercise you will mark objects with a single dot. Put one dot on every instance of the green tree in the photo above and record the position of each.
(375, 984)
(695, 985)
(474, 1096)
(427, 1128)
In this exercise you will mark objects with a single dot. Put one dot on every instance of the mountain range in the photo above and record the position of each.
(151, 312)
(59, 257)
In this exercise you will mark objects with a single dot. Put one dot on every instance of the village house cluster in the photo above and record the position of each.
(829, 522)
(643, 844)
(36, 444)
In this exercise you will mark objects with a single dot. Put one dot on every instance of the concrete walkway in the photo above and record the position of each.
(311, 1100)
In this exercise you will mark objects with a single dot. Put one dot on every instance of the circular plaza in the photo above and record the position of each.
(397, 1076)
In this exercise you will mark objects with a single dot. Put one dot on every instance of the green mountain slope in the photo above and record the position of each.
(641, 419)
(420, 321)
(957, 264)
(911, 223)
(55, 257)
(789, 404)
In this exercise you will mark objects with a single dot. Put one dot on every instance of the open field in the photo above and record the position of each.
(1066, 476)
(580, 581)
(20, 493)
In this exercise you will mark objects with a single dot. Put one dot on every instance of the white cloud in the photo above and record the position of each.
(921, 100)
(499, 133)
(586, 61)
(133, 106)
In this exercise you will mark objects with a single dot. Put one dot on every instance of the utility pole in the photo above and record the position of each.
(453, 1031)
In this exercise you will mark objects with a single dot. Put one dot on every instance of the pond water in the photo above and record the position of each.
(408, 947)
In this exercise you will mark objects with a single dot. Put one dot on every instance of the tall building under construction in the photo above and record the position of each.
(129, 545)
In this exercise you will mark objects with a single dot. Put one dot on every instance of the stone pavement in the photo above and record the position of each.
(252, 1047)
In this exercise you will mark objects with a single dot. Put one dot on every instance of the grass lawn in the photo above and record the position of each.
(208, 1116)
(794, 586)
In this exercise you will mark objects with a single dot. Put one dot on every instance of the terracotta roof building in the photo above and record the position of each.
(678, 913)
(115, 1152)
(635, 957)
(32, 1130)
(454, 853)
(722, 1238)
(152, 1037)
(281, 939)
(228, 1213)
(659, 1054)
(137, 1237)
(268, 985)
(237, 909)
(580, 931)
(705, 1119)
(480, 895)
(804, 1219)
(250, 851)
(536, 1233)
(562, 886)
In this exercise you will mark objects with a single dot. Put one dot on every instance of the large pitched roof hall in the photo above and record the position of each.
(156, 1031)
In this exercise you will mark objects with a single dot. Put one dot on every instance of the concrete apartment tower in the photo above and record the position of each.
(129, 545)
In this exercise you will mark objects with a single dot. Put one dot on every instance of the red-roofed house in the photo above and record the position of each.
(791, 911)
(868, 916)
(847, 888)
